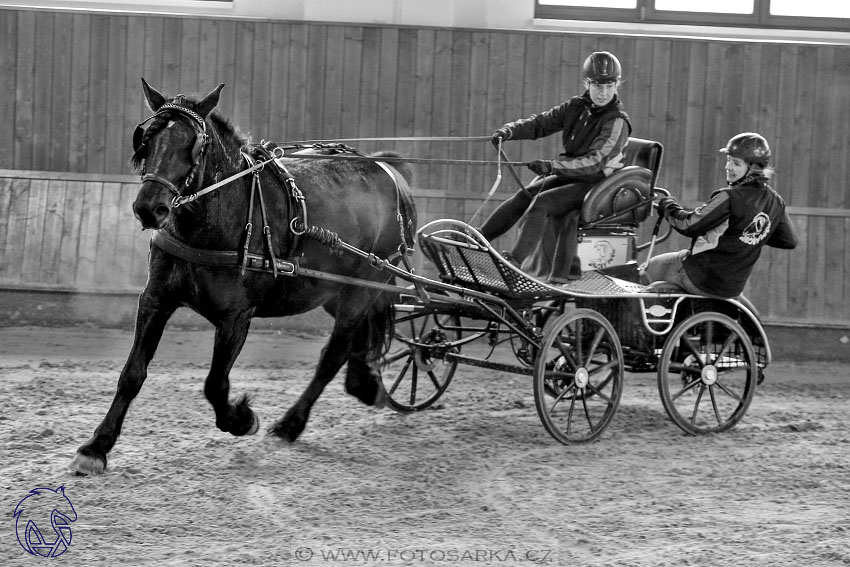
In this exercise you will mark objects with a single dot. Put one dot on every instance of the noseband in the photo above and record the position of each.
(198, 150)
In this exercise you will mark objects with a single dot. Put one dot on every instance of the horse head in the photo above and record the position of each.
(170, 153)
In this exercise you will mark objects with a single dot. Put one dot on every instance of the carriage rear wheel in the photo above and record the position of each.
(415, 370)
(578, 376)
(707, 373)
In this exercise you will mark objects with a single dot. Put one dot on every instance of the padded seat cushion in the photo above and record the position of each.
(620, 191)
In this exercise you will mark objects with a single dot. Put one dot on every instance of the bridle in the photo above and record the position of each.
(198, 149)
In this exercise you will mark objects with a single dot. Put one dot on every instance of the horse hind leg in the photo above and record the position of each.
(357, 304)
(333, 356)
(363, 376)
(236, 418)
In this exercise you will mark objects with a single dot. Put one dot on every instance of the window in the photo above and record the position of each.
(788, 14)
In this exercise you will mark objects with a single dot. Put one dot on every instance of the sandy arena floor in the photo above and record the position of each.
(477, 481)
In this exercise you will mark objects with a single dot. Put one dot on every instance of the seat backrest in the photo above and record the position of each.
(625, 196)
(645, 153)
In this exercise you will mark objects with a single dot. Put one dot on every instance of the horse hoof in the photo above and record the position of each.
(255, 424)
(87, 465)
(381, 399)
(281, 431)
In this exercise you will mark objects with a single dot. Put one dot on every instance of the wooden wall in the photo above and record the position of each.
(71, 97)
(75, 232)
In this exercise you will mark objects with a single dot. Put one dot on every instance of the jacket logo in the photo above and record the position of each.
(757, 230)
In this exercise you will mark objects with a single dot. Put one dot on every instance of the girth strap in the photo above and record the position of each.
(221, 258)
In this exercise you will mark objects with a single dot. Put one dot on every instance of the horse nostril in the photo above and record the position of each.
(161, 211)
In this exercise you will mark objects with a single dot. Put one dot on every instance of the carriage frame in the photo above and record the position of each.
(578, 338)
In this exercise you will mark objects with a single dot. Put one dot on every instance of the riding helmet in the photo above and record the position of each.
(750, 147)
(601, 67)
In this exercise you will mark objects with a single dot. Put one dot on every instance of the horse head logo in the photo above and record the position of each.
(43, 522)
(603, 255)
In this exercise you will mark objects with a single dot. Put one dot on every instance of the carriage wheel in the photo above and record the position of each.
(578, 376)
(707, 374)
(415, 370)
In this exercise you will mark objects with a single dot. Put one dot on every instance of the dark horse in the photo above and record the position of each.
(188, 147)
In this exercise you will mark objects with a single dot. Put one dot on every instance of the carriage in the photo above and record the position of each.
(337, 228)
(577, 339)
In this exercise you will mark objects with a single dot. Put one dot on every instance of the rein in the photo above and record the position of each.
(183, 199)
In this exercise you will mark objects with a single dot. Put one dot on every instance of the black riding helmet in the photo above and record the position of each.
(601, 67)
(750, 147)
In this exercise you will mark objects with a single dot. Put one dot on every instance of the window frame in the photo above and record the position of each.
(646, 13)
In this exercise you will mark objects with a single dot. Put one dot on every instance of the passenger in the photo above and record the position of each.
(594, 128)
(729, 230)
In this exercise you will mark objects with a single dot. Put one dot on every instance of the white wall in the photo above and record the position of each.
(476, 14)
(442, 13)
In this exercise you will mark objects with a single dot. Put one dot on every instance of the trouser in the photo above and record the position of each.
(670, 267)
(544, 197)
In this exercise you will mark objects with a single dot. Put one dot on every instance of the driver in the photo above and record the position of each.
(594, 130)
(729, 230)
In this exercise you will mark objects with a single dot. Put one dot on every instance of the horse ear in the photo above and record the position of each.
(154, 97)
(210, 101)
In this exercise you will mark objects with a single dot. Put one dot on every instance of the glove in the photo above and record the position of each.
(664, 205)
(503, 133)
(541, 166)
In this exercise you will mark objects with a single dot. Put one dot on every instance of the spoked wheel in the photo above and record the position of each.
(707, 374)
(415, 370)
(578, 376)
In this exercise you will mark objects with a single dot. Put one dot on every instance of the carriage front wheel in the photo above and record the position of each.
(416, 371)
(578, 376)
(707, 373)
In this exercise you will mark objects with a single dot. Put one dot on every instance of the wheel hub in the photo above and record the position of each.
(582, 377)
(423, 360)
(709, 374)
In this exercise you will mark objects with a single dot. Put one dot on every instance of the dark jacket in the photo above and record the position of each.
(728, 232)
(593, 137)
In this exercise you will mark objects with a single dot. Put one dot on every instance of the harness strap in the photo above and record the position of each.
(249, 226)
(267, 231)
(183, 199)
(218, 258)
(404, 250)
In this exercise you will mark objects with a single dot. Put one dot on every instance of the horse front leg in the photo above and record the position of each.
(151, 318)
(236, 418)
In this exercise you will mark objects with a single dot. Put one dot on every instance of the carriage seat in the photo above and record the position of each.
(625, 197)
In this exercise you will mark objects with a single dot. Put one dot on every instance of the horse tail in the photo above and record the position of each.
(379, 323)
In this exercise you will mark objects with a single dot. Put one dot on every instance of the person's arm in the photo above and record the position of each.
(784, 236)
(537, 125)
(700, 220)
(605, 155)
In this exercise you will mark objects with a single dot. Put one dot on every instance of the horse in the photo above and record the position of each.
(205, 255)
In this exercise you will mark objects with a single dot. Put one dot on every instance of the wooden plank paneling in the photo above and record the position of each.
(87, 258)
(72, 96)
(243, 74)
(208, 75)
(278, 82)
(79, 94)
(296, 80)
(118, 138)
(33, 236)
(51, 237)
(16, 219)
(5, 213)
(8, 64)
(261, 100)
(24, 87)
(60, 229)
(72, 217)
